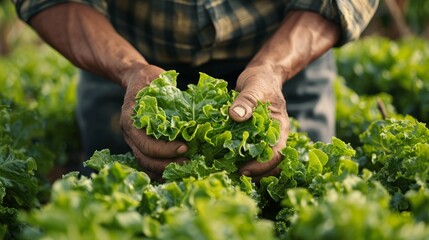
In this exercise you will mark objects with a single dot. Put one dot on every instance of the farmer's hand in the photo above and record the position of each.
(302, 37)
(258, 83)
(152, 154)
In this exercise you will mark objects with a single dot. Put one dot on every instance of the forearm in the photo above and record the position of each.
(302, 37)
(88, 40)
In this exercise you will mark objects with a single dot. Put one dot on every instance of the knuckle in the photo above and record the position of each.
(251, 96)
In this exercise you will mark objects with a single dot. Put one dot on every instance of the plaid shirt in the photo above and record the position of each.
(197, 31)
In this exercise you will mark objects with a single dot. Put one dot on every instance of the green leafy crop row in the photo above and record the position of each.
(324, 190)
(40, 80)
(37, 128)
(377, 65)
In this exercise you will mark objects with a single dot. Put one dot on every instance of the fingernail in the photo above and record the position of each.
(239, 110)
(181, 149)
(245, 173)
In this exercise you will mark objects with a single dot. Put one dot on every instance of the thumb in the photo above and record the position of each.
(242, 108)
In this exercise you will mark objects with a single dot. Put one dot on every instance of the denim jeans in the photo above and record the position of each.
(309, 98)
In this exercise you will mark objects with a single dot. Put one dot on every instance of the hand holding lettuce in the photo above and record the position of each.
(153, 155)
(257, 83)
(200, 117)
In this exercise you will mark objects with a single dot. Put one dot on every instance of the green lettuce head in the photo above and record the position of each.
(199, 117)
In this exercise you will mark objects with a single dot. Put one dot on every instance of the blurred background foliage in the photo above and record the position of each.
(36, 80)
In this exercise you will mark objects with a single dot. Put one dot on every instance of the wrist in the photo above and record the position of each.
(127, 70)
(301, 38)
(281, 72)
(261, 72)
(139, 75)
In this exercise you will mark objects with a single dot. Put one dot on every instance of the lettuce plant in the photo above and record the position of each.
(199, 117)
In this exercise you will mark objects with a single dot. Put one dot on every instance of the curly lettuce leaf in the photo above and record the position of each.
(199, 116)
(103, 206)
(397, 151)
(103, 157)
(310, 165)
(196, 168)
(352, 215)
(18, 185)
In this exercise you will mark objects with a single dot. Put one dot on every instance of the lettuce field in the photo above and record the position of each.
(370, 182)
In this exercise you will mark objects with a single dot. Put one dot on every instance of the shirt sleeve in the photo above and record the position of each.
(353, 16)
(28, 8)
